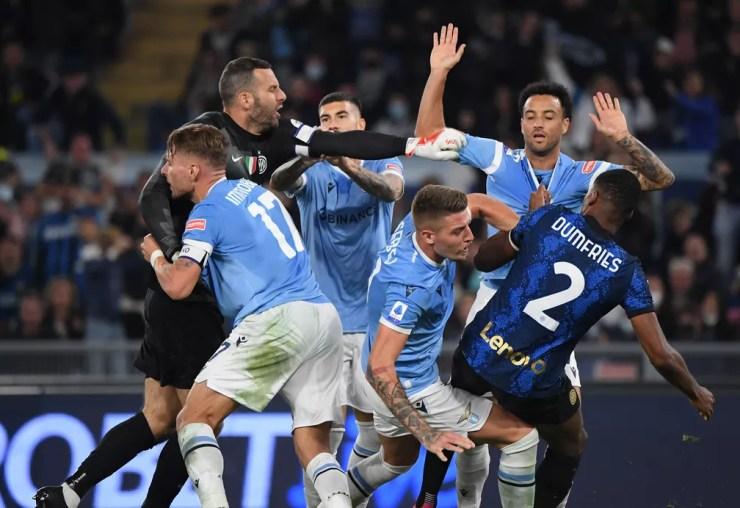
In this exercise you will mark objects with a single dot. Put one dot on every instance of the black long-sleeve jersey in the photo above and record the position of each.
(254, 157)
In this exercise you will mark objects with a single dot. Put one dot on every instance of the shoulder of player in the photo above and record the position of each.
(215, 118)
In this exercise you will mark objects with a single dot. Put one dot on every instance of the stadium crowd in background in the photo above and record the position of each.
(69, 267)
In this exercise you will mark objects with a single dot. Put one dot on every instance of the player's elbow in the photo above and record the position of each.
(177, 290)
(662, 360)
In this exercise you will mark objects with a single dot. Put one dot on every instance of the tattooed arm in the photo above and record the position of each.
(286, 176)
(176, 279)
(386, 187)
(381, 373)
(609, 120)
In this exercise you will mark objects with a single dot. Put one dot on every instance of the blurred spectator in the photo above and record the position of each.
(64, 318)
(76, 106)
(22, 87)
(55, 247)
(14, 278)
(697, 115)
(725, 169)
(100, 287)
(216, 39)
(201, 89)
(30, 322)
(134, 273)
(397, 119)
(682, 314)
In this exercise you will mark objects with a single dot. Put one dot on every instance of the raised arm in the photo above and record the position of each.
(444, 56)
(609, 120)
(492, 211)
(154, 204)
(381, 373)
(670, 363)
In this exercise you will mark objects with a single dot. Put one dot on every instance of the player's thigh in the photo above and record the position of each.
(568, 438)
(354, 377)
(205, 405)
(314, 391)
(400, 451)
(482, 296)
(501, 428)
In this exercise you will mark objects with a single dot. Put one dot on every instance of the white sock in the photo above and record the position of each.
(516, 470)
(371, 473)
(472, 471)
(367, 443)
(310, 495)
(329, 480)
(204, 463)
(71, 498)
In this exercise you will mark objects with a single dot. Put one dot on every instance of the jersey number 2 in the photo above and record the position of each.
(268, 201)
(536, 308)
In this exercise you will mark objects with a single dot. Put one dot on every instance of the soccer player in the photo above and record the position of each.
(346, 207)
(513, 174)
(181, 335)
(568, 272)
(286, 335)
(410, 298)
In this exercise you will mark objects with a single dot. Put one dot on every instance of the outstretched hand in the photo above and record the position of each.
(441, 441)
(445, 53)
(704, 403)
(609, 118)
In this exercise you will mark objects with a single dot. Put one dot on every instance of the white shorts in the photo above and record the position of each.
(294, 349)
(352, 396)
(484, 294)
(443, 407)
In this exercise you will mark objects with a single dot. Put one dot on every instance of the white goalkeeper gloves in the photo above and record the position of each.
(440, 146)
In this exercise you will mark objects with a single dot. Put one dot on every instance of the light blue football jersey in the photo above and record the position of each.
(344, 227)
(252, 255)
(413, 295)
(511, 179)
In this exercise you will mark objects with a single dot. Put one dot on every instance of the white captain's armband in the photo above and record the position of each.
(302, 132)
(196, 251)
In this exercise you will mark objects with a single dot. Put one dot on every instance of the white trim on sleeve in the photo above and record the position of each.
(498, 156)
(511, 242)
(383, 321)
(603, 166)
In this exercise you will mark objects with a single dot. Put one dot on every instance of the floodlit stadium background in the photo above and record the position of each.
(70, 322)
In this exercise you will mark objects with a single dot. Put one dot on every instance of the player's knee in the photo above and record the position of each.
(192, 413)
(400, 456)
(161, 420)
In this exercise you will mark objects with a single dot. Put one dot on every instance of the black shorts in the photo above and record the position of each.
(179, 338)
(535, 411)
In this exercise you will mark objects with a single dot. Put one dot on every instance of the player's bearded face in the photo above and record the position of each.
(268, 98)
(453, 237)
(340, 116)
(543, 124)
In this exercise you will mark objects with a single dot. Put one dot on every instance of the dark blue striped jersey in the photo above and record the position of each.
(568, 273)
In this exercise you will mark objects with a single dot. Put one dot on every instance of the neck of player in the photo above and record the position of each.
(543, 160)
(428, 249)
(242, 120)
(204, 186)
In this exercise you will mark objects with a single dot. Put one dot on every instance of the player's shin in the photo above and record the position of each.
(329, 481)
(554, 478)
(169, 476)
(516, 472)
(367, 443)
(312, 497)
(472, 471)
(434, 474)
(204, 463)
(371, 473)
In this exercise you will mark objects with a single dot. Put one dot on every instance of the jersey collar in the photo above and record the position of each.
(214, 184)
(426, 258)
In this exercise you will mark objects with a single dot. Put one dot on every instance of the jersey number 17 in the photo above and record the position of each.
(268, 201)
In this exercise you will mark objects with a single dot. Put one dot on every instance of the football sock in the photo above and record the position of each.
(204, 463)
(329, 480)
(310, 495)
(516, 472)
(434, 474)
(472, 471)
(169, 476)
(367, 443)
(121, 444)
(371, 473)
(554, 479)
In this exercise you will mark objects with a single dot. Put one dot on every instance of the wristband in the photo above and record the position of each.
(154, 257)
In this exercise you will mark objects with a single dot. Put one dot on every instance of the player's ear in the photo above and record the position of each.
(426, 236)
(361, 124)
(246, 99)
(565, 126)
